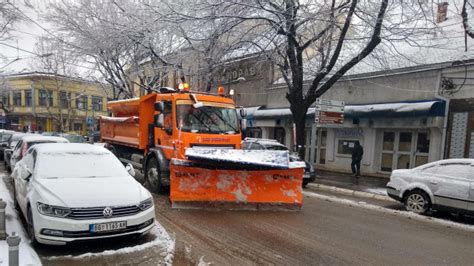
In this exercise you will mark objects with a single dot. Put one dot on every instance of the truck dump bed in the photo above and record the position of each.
(128, 125)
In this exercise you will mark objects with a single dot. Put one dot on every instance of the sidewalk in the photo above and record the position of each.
(13, 224)
(375, 185)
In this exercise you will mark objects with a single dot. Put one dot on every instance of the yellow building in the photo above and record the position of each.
(49, 102)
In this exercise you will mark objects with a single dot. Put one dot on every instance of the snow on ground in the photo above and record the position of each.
(378, 191)
(13, 224)
(162, 239)
(409, 215)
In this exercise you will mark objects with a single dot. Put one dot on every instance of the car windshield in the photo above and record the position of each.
(79, 165)
(74, 138)
(17, 137)
(5, 137)
(276, 148)
(207, 119)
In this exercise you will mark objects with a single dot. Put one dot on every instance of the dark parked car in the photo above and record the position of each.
(4, 136)
(271, 144)
(12, 142)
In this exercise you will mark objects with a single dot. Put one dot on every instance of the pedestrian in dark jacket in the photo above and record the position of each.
(357, 153)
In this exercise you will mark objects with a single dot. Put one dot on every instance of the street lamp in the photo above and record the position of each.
(232, 92)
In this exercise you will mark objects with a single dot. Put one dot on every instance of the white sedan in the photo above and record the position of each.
(70, 192)
(446, 185)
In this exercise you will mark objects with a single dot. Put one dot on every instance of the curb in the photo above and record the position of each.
(351, 192)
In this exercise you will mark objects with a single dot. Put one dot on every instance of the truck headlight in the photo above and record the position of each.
(146, 204)
(54, 211)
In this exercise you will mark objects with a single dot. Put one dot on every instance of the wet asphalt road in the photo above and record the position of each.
(323, 232)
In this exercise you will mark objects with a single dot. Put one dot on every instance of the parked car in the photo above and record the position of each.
(271, 144)
(27, 142)
(12, 142)
(4, 136)
(73, 138)
(79, 192)
(444, 185)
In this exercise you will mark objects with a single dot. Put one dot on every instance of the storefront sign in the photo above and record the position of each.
(349, 132)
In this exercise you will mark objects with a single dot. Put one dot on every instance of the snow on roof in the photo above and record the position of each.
(356, 110)
(125, 100)
(69, 148)
(39, 138)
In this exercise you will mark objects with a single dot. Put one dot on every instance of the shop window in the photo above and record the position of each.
(387, 160)
(254, 132)
(77, 127)
(345, 146)
(423, 142)
(28, 98)
(279, 134)
(405, 141)
(388, 141)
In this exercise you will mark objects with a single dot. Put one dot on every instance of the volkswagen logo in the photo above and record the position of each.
(107, 212)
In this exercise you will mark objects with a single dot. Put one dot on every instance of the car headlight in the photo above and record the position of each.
(146, 204)
(54, 211)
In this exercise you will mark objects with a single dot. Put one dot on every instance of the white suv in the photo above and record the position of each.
(442, 185)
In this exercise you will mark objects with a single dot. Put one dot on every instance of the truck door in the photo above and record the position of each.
(164, 136)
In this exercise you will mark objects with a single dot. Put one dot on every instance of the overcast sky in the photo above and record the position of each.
(24, 37)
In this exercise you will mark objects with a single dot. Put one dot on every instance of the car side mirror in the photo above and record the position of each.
(158, 119)
(130, 169)
(4, 145)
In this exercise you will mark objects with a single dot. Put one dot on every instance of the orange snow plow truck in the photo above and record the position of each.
(190, 142)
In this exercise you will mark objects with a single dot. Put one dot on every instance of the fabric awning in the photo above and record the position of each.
(399, 109)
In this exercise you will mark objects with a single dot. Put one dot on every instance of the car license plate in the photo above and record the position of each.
(105, 227)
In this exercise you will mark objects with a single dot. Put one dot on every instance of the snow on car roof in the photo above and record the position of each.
(68, 148)
(39, 138)
(453, 161)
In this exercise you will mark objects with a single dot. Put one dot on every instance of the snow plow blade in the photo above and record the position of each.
(228, 184)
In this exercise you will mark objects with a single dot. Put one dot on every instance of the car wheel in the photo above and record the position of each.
(15, 201)
(305, 183)
(417, 201)
(152, 178)
(31, 227)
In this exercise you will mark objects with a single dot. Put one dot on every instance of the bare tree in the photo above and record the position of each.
(316, 40)
(119, 36)
(467, 13)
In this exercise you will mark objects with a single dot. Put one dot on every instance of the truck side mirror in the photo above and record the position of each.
(243, 124)
(158, 120)
(159, 106)
(243, 112)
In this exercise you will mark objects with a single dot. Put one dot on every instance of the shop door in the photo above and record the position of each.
(404, 149)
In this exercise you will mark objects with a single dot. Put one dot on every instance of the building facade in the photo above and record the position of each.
(48, 102)
(403, 118)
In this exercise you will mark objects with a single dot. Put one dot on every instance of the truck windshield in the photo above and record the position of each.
(207, 119)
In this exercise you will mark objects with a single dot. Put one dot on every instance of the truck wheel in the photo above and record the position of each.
(152, 177)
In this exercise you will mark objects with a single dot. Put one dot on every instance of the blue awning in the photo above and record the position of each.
(398, 109)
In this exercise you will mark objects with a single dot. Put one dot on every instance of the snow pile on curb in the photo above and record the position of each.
(13, 224)
(162, 239)
(407, 214)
